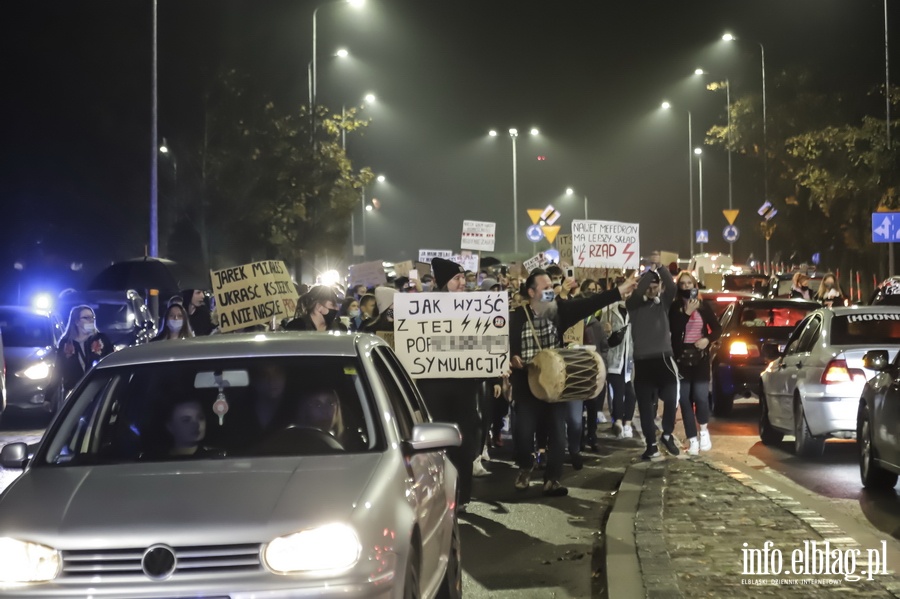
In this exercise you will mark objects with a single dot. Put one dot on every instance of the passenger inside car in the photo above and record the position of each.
(321, 409)
(749, 319)
(186, 424)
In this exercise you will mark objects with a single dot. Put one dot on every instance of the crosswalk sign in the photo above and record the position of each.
(702, 236)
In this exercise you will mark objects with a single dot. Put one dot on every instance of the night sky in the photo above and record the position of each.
(74, 176)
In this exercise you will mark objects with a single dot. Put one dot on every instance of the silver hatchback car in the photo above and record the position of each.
(253, 465)
(812, 390)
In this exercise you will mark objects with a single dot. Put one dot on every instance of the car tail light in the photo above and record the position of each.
(742, 349)
(726, 298)
(837, 372)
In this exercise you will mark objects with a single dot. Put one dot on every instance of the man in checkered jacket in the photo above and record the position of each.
(548, 319)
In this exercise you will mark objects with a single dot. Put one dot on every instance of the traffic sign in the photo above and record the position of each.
(534, 214)
(730, 233)
(550, 232)
(534, 233)
(730, 215)
(885, 227)
(767, 210)
(702, 236)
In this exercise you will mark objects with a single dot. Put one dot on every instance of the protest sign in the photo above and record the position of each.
(539, 261)
(564, 243)
(402, 268)
(423, 268)
(370, 274)
(468, 261)
(388, 336)
(478, 235)
(452, 335)
(605, 243)
(427, 255)
(253, 294)
(574, 335)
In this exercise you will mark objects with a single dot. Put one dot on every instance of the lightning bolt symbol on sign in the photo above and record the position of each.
(627, 251)
(581, 256)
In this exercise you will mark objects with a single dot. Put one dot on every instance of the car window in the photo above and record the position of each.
(204, 409)
(868, 329)
(774, 316)
(401, 407)
(21, 329)
(794, 340)
(810, 335)
(411, 392)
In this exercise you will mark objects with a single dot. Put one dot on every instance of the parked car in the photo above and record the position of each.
(121, 315)
(754, 331)
(757, 284)
(887, 294)
(245, 465)
(720, 300)
(781, 284)
(30, 337)
(878, 422)
(812, 391)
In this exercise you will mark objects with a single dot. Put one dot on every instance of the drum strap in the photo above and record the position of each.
(527, 309)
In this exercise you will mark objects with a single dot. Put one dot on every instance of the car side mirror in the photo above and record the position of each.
(433, 436)
(14, 455)
(876, 359)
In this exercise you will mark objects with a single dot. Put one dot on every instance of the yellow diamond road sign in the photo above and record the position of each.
(535, 215)
(730, 215)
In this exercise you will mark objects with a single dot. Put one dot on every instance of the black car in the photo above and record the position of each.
(878, 423)
(754, 332)
(888, 293)
(30, 337)
(121, 315)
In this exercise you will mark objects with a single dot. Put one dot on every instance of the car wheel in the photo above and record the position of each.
(721, 404)
(411, 583)
(767, 434)
(873, 476)
(805, 444)
(451, 586)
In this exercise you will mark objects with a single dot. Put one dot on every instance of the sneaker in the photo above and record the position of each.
(601, 418)
(627, 432)
(652, 454)
(478, 468)
(618, 430)
(705, 441)
(523, 479)
(671, 446)
(694, 448)
(577, 461)
(658, 421)
(485, 455)
(540, 459)
(552, 488)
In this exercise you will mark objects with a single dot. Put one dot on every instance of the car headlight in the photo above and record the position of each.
(37, 372)
(21, 561)
(331, 547)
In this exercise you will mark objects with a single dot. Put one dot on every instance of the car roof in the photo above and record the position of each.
(736, 294)
(236, 345)
(879, 309)
(26, 310)
(778, 301)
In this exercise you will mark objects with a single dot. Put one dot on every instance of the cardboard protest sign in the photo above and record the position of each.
(427, 255)
(402, 268)
(539, 261)
(388, 336)
(468, 261)
(452, 335)
(253, 294)
(370, 274)
(564, 244)
(598, 274)
(605, 243)
(574, 335)
(478, 235)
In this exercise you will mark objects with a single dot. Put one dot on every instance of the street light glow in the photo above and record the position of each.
(699, 72)
(665, 106)
(569, 191)
(380, 178)
(534, 131)
(370, 98)
(728, 38)
(163, 149)
(368, 207)
(492, 133)
(356, 3)
(698, 151)
(342, 53)
(513, 132)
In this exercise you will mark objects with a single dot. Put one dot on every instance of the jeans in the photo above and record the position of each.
(697, 393)
(656, 377)
(529, 411)
(574, 425)
(623, 399)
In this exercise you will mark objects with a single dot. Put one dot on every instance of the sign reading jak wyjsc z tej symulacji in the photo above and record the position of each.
(452, 335)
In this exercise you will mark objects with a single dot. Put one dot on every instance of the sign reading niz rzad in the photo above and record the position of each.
(253, 294)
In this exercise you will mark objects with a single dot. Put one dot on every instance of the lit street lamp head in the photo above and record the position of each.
(728, 38)
(569, 191)
(698, 151)
(370, 98)
(514, 133)
(492, 133)
(342, 53)
(699, 72)
(356, 3)
(665, 106)
(380, 178)
(163, 149)
(534, 131)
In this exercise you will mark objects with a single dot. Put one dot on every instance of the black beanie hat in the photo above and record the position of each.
(444, 270)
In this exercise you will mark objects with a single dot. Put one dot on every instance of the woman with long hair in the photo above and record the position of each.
(80, 347)
(175, 324)
(830, 293)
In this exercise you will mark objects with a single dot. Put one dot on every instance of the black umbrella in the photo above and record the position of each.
(148, 273)
(489, 261)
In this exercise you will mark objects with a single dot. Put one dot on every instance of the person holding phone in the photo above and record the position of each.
(694, 326)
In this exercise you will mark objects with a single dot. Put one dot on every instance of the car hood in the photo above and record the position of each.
(18, 358)
(218, 501)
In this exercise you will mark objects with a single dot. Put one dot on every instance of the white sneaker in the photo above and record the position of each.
(627, 432)
(485, 455)
(601, 418)
(618, 430)
(705, 441)
(658, 421)
(694, 448)
(478, 469)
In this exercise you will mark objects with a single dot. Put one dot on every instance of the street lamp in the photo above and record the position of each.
(728, 125)
(514, 135)
(666, 106)
(570, 191)
(699, 154)
(342, 53)
(365, 208)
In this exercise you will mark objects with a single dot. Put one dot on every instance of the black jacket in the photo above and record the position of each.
(678, 321)
(73, 359)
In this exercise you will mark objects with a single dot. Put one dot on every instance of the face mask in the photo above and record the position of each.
(89, 328)
(427, 286)
(353, 313)
(329, 317)
(470, 285)
(174, 325)
(547, 295)
(829, 285)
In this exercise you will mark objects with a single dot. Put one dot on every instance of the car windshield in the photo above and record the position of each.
(775, 316)
(753, 284)
(785, 286)
(203, 409)
(21, 329)
(866, 329)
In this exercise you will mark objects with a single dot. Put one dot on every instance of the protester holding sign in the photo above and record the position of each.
(537, 325)
(318, 311)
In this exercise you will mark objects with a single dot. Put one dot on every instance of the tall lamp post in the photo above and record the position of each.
(153, 250)
(699, 154)
(569, 192)
(367, 208)
(667, 106)
(315, 44)
(513, 135)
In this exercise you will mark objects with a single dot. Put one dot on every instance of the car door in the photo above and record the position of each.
(426, 469)
(885, 415)
(783, 378)
(802, 365)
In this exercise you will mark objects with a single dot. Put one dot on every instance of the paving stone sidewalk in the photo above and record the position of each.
(693, 518)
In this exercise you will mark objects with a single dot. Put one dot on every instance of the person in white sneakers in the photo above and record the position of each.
(620, 368)
(693, 326)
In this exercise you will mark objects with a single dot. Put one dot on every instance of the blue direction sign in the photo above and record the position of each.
(702, 236)
(730, 233)
(534, 233)
(885, 227)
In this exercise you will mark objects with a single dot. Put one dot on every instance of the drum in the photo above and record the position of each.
(566, 374)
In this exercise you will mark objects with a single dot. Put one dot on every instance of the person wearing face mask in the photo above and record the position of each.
(830, 294)
(800, 286)
(655, 370)
(471, 281)
(694, 326)
(349, 313)
(318, 311)
(427, 283)
(540, 324)
(175, 324)
(80, 347)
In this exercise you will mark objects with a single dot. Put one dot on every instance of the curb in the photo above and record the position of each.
(623, 571)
